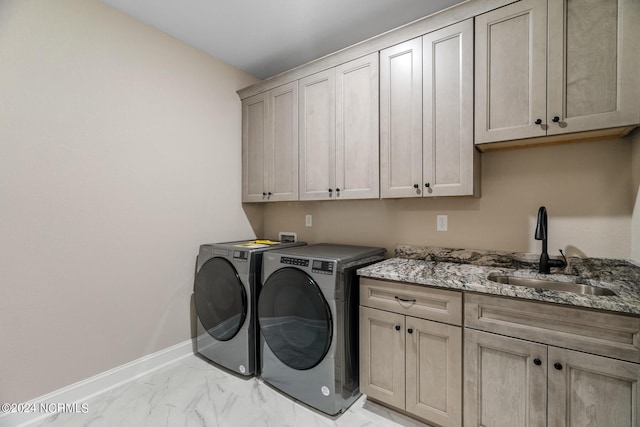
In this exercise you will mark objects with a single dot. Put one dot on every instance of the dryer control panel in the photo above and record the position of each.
(241, 255)
(322, 267)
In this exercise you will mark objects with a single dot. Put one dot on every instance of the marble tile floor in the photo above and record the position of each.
(192, 392)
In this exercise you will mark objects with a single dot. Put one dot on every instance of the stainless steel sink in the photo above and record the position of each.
(576, 288)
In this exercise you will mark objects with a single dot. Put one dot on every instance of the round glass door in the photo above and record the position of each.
(221, 300)
(295, 318)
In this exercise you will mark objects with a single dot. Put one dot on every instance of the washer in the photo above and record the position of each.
(308, 316)
(228, 277)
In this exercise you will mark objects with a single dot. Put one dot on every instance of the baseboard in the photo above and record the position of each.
(83, 390)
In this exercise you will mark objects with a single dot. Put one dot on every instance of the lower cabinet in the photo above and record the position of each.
(512, 382)
(526, 364)
(410, 363)
(588, 390)
(505, 386)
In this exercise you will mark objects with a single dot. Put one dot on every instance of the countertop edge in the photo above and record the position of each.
(473, 278)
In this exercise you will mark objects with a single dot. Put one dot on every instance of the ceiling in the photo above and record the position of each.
(267, 37)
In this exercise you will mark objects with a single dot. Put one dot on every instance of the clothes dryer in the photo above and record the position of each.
(228, 278)
(308, 316)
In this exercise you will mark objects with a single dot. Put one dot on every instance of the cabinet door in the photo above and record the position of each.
(434, 371)
(401, 120)
(594, 58)
(357, 130)
(254, 141)
(510, 76)
(448, 149)
(382, 341)
(317, 142)
(590, 390)
(504, 387)
(282, 150)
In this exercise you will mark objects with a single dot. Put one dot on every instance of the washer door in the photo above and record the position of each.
(221, 300)
(295, 318)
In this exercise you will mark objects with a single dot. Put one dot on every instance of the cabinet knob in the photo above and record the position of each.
(330, 190)
(558, 366)
(539, 122)
(264, 194)
(269, 193)
(426, 184)
(555, 119)
(416, 186)
(537, 362)
(397, 327)
(338, 190)
(410, 330)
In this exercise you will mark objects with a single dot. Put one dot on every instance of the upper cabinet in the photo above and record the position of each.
(426, 116)
(593, 65)
(339, 132)
(406, 113)
(270, 145)
(566, 69)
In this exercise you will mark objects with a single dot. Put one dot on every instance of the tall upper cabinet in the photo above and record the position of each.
(426, 115)
(568, 67)
(339, 132)
(270, 145)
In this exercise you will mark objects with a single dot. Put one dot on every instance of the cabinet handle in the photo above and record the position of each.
(397, 327)
(539, 122)
(410, 330)
(404, 300)
(558, 366)
(555, 119)
(416, 186)
(537, 362)
(426, 184)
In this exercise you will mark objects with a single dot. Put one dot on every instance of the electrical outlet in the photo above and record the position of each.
(442, 222)
(308, 220)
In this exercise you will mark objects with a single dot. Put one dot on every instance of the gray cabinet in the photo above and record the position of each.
(426, 116)
(586, 390)
(503, 386)
(270, 145)
(567, 69)
(382, 356)
(408, 362)
(510, 380)
(339, 154)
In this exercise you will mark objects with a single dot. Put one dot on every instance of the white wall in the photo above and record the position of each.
(119, 155)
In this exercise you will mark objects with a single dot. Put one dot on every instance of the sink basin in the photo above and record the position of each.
(576, 288)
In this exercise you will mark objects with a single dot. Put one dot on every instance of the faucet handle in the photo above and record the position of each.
(566, 263)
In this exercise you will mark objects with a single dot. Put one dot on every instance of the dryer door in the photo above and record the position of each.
(295, 318)
(221, 299)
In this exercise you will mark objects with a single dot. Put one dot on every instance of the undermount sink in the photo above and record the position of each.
(575, 288)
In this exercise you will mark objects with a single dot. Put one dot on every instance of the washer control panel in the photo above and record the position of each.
(322, 267)
(295, 261)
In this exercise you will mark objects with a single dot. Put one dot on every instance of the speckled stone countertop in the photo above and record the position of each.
(467, 270)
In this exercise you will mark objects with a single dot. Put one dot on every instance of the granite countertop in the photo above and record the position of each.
(467, 270)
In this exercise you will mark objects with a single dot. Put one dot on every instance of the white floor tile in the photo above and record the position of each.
(192, 392)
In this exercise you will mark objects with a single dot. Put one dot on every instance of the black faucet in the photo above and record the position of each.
(541, 234)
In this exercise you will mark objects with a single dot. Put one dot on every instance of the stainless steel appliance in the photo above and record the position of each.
(308, 316)
(228, 278)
